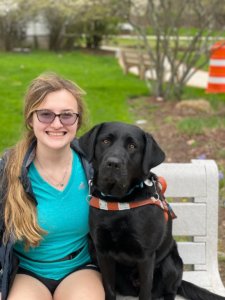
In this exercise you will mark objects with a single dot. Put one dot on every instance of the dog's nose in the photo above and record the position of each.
(113, 163)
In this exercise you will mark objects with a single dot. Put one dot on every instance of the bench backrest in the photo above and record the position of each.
(195, 185)
(134, 57)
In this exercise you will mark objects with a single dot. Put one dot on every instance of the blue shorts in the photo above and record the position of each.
(52, 284)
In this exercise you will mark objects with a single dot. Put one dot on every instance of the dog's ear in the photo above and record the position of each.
(87, 141)
(153, 154)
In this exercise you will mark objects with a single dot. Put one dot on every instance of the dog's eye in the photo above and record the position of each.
(131, 146)
(106, 141)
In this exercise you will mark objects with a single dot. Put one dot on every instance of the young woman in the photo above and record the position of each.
(43, 202)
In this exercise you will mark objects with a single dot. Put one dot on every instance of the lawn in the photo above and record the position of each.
(107, 88)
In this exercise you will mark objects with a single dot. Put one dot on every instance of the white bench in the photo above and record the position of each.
(197, 219)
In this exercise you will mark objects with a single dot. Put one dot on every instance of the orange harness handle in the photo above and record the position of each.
(163, 184)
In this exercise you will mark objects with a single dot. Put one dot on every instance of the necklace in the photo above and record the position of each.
(49, 178)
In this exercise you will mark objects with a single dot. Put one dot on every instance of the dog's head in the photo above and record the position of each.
(122, 155)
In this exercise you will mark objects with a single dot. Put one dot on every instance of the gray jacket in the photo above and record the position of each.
(8, 261)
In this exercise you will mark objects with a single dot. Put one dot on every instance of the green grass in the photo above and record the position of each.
(196, 125)
(101, 77)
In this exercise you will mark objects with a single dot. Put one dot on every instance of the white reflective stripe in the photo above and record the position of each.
(217, 62)
(103, 204)
(123, 206)
(217, 80)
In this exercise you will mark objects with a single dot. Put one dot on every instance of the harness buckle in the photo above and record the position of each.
(156, 194)
(152, 183)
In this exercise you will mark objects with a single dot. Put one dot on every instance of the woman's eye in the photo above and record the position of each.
(45, 114)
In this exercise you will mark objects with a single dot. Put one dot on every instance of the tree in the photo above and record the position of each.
(13, 18)
(58, 15)
(69, 20)
(66, 20)
(99, 19)
(164, 19)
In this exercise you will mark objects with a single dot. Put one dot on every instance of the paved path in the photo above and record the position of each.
(199, 79)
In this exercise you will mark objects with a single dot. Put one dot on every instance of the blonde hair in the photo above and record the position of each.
(20, 212)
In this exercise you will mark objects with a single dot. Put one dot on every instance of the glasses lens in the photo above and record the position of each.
(68, 118)
(45, 116)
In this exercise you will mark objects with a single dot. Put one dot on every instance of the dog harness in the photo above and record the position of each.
(117, 206)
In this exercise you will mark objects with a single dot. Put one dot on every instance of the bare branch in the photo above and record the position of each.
(166, 18)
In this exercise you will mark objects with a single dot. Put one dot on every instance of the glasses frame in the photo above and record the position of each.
(56, 115)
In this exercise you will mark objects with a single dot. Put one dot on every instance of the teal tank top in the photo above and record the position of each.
(64, 215)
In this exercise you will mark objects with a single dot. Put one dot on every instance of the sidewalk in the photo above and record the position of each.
(199, 79)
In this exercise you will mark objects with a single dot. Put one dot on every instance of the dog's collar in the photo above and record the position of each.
(118, 206)
(141, 185)
(153, 181)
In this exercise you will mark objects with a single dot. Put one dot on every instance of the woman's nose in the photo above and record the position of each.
(56, 123)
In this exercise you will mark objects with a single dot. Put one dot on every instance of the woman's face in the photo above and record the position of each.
(55, 135)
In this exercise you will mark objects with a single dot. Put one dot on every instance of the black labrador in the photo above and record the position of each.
(131, 237)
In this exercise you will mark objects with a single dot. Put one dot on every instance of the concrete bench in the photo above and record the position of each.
(129, 58)
(194, 189)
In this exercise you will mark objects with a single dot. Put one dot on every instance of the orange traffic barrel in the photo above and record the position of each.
(216, 79)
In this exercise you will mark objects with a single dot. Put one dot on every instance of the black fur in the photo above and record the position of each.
(134, 248)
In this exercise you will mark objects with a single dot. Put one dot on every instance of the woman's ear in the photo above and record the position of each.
(30, 122)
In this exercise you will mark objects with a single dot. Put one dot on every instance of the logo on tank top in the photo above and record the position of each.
(82, 186)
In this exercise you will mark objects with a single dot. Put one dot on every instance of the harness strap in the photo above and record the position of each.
(117, 206)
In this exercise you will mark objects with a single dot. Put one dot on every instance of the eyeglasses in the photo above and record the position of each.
(48, 116)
